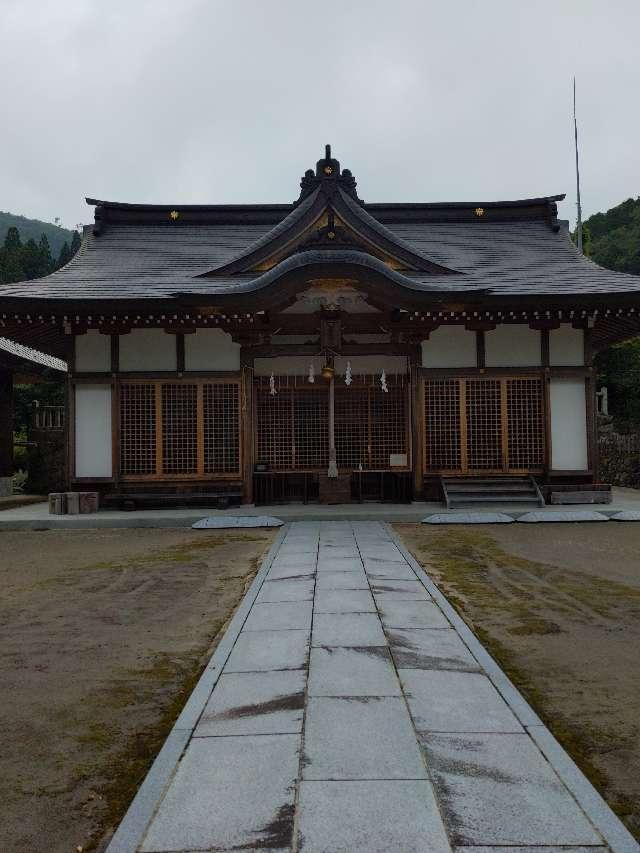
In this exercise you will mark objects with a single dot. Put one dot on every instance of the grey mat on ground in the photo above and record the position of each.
(568, 515)
(468, 518)
(237, 521)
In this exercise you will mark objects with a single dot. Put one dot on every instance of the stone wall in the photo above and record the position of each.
(619, 455)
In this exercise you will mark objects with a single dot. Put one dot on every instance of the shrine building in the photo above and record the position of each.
(326, 350)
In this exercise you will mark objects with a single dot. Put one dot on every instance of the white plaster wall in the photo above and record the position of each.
(93, 430)
(299, 365)
(566, 346)
(211, 349)
(93, 352)
(147, 349)
(512, 346)
(568, 425)
(450, 346)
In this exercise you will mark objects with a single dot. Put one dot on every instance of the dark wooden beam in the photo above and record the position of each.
(6, 423)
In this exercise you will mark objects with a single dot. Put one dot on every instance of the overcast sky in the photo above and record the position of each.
(217, 101)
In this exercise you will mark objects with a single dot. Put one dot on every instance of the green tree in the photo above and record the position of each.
(11, 268)
(46, 261)
(75, 243)
(612, 239)
(619, 369)
(65, 255)
(30, 254)
(12, 241)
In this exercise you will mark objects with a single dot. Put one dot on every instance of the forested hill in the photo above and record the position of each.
(612, 239)
(24, 257)
(34, 229)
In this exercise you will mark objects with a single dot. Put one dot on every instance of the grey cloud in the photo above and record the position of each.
(185, 101)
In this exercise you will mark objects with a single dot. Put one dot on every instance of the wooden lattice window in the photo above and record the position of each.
(221, 421)
(292, 426)
(274, 437)
(137, 429)
(525, 413)
(180, 429)
(442, 425)
(310, 428)
(371, 425)
(351, 428)
(491, 425)
(484, 425)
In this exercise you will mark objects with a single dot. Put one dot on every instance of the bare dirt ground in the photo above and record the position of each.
(102, 637)
(559, 607)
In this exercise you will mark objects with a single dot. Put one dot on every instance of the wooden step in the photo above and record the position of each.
(495, 499)
(452, 488)
(472, 491)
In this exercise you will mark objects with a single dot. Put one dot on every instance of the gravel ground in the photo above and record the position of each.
(102, 636)
(558, 606)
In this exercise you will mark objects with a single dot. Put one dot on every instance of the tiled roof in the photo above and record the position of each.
(512, 249)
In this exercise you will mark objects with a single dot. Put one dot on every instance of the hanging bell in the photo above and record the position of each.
(328, 372)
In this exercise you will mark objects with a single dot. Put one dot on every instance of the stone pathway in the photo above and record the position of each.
(352, 715)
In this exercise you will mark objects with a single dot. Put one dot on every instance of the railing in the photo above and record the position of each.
(48, 417)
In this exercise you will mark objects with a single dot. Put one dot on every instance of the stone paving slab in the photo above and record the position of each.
(498, 789)
(300, 589)
(288, 572)
(338, 727)
(255, 703)
(262, 651)
(446, 701)
(347, 629)
(412, 614)
(399, 590)
(389, 571)
(344, 601)
(219, 800)
(339, 552)
(360, 671)
(279, 617)
(371, 557)
(541, 849)
(360, 738)
(426, 649)
(341, 580)
(344, 564)
(336, 817)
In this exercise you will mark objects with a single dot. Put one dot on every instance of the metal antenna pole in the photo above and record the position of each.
(578, 205)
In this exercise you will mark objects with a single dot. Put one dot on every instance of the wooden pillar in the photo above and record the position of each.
(6, 428)
(247, 410)
(333, 465)
(417, 423)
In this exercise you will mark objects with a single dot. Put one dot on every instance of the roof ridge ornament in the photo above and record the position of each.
(328, 176)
